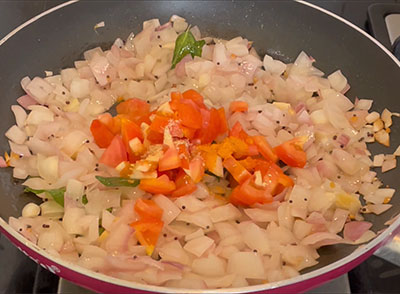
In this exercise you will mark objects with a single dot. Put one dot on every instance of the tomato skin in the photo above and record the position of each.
(291, 152)
(196, 168)
(189, 114)
(147, 232)
(265, 149)
(155, 133)
(129, 131)
(238, 172)
(176, 98)
(238, 106)
(238, 132)
(137, 110)
(101, 134)
(195, 97)
(223, 124)
(115, 152)
(170, 160)
(184, 185)
(249, 194)
(148, 209)
(160, 185)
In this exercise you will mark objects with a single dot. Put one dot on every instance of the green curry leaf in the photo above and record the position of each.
(186, 44)
(56, 194)
(117, 182)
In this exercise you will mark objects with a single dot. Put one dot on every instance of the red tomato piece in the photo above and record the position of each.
(160, 185)
(176, 98)
(223, 124)
(238, 106)
(170, 160)
(129, 131)
(148, 209)
(115, 152)
(133, 107)
(189, 114)
(250, 194)
(155, 133)
(101, 134)
(147, 233)
(265, 149)
(195, 97)
(235, 197)
(291, 152)
(196, 168)
(184, 185)
(238, 132)
(238, 172)
(184, 155)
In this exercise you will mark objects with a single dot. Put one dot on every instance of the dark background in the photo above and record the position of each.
(18, 274)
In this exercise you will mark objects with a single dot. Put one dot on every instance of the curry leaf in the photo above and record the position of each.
(186, 44)
(56, 194)
(84, 199)
(117, 182)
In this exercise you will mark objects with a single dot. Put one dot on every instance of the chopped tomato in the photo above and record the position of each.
(238, 106)
(189, 114)
(108, 120)
(196, 169)
(101, 134)
(213, 163)
(265, 149)
(115, 152)
(169, 160)
(148, 209)
(188, 132)
(223, 124)
(160, 185)
(155, 133)
(195, 97)
(210, 128)
(235, 197)
(238, 132)
(137, 110)
(176, 98)
(183, 155)
(184, 185)
(238, 172)
(129, 131)
(291, 152)
(250, 194)
(147, 233)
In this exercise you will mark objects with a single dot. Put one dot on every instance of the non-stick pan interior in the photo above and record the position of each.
(280, 28)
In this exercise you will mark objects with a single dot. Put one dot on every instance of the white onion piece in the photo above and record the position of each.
(338, 220)
(199, 245)
(321, 239)
(355, 229)
(20, 115)
(189, 203)
(261, 215)
(170, 210)
(380, 196)
(39, 89)
(224, 213)
(273, 66)
(389, 164)
(174, 252)
(16, 135)
(345, 161)
(337, 80)
(211, 266)
(255, 237)
(246, 264)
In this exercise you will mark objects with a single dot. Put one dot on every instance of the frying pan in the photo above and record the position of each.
(57, 37)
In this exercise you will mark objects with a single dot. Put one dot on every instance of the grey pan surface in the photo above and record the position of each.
(279, 28)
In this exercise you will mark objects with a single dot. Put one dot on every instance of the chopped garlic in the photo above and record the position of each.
(378, 159)
(378, 125)
(387, 118)
(168, 138)
(373, 116)
(282, 105)
(382, 137)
